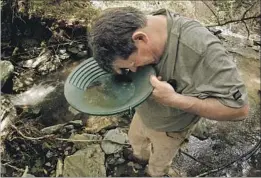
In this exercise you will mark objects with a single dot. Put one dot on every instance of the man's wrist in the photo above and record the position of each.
(181, 102)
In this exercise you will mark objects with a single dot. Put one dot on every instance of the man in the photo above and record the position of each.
(184, 53)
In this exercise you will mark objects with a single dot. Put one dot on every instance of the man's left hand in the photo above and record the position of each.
(163, 92)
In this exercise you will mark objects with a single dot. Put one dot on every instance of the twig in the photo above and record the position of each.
(243, 16)
(195, 159)
(51, 46)
(72, 140)
(60, 139)
(31, 138)
(18, 169)
(248, 32)
(233, 21)
(245, 156)
(25, 171)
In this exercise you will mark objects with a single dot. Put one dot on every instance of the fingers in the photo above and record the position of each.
(154, 80)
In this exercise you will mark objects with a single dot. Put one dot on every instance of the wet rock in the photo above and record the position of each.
(8, 114)
(33, 63)
(52, 129)
(23, 80)
(7, 69)
(96, 123)
(114, 141)
(59, 168)
(50, 66)
(88, 137)
(88, 162)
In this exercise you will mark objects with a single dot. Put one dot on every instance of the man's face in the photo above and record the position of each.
(141, 57)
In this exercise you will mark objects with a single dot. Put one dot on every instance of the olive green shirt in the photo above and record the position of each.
(201, 67)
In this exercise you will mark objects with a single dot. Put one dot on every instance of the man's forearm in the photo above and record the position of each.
(210, 108)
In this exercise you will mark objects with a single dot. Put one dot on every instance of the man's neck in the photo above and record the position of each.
(157, 27)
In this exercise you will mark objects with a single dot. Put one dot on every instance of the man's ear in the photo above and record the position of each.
(139, 36)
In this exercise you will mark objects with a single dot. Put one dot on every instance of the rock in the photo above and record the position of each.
(7, 69)
(59, 168)
(96, 123)
(48, 164)
(201, 131)
(81, 46)
(66, 153)
(77, 123)
(33, 63)
(119, 161)
(63, 56)
(52, 129)
(82, 54)
(138, 166)
(8, 115)
(62, 51)
(73, 111)
(29, 175)
(114, 141)
(49, 154)
(81, 144)
(69, 127)
(88, 162)
(73, 50)
(131, 164)
(111, 160)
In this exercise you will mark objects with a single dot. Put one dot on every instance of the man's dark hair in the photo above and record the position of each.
(111, 35)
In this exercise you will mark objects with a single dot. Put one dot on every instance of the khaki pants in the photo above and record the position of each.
(159, 148)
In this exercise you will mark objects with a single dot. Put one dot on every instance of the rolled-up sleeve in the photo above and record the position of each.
(205, 68)
(221, 77)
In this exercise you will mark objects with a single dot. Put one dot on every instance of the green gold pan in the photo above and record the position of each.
(91, 90)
